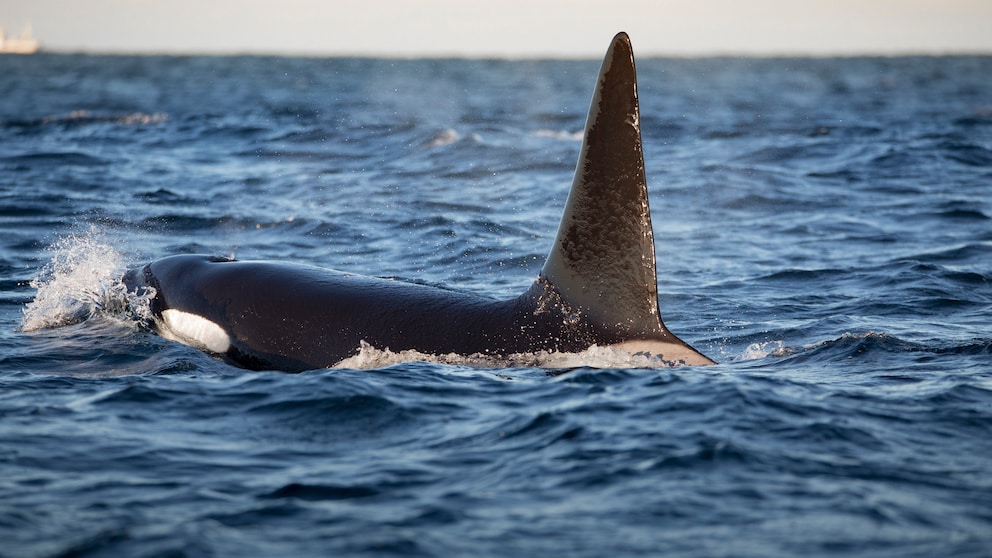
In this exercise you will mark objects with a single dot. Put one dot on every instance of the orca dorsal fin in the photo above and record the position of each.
(603, 259)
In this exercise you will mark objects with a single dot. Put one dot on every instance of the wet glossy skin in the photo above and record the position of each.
(598, 285)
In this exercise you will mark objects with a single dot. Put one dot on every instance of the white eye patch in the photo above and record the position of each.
(195, 331)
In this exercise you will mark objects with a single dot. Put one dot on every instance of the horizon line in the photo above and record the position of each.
(482, 55)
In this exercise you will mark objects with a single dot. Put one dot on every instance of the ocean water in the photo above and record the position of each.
(823, 228)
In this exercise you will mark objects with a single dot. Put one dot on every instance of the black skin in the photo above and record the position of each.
(294, 318)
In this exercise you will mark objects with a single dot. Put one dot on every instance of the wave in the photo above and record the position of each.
(56, 158)
(442, 138)
(85, 117)
(83, 279)
(862, 345)
(560, 134)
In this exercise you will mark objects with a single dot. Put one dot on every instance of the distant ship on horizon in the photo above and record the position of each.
(25, 43)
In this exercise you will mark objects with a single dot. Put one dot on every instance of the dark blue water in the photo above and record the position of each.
(824, 230)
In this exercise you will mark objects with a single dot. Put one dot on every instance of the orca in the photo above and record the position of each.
(598, 285)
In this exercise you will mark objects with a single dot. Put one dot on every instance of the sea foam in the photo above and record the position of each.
(83, 278)
(369, 357)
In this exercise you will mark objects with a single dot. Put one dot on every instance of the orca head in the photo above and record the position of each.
(174, 317)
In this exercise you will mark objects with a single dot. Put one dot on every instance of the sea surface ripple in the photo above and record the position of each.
(823, 228)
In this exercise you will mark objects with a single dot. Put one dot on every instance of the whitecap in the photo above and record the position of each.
(559, 134)
(755, 351)
(83, 278)
(444, 137)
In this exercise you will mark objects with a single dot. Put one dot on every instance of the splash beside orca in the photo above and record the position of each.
(598, 285)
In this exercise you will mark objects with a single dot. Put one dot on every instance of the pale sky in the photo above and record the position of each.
(505, 28)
